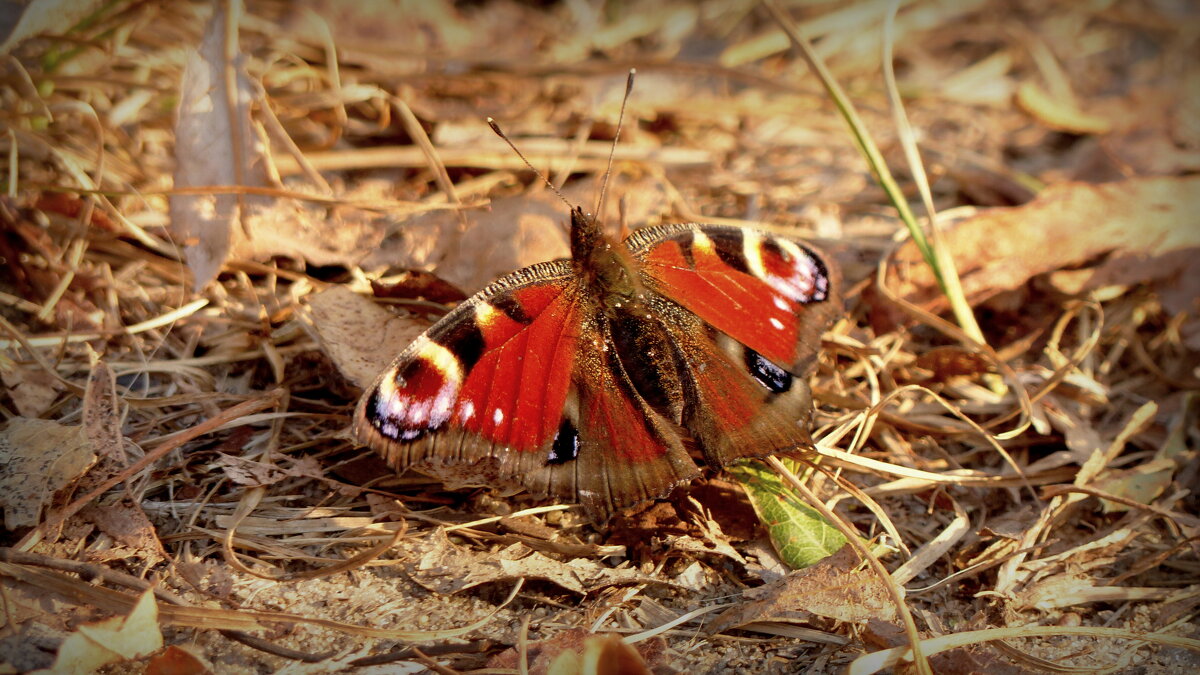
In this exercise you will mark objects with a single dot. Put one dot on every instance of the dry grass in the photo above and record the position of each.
(1038, 489)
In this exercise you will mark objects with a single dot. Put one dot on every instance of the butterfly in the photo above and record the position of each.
(591, 379)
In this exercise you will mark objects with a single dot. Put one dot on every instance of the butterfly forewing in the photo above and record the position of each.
(498, 367)
(772, 294)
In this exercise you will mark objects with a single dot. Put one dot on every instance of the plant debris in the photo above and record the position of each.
(220, 221)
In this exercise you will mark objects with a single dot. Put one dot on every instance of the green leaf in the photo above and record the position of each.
(800, 535)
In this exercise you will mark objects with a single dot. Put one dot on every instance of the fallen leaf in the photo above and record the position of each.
(601, 655)
(800, 534)
(46, 16)
(37, 458)
(32, 391)
(217, 144)
(128, 525)
(1142, 483)
(359, 336)
(1143, 227)
(712, 539)
(945, 363)
(835, 587)
(577, 652)
(513, 233)
(443, 568)
(178, 660)
(414, 284)
(213, 147)
(1147, 480)
(101, 413)
(249, 472)
(120, 638)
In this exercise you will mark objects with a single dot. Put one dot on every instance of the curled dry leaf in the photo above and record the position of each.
(359, 336)
(414, 284)
(835, 587)
(128, 525)
(37, 458)
(120, 638)
(1144, 228)
(578, 652)
(213, 147)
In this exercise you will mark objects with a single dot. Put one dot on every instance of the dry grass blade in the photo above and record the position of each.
(250, 500)
(888, 658)
(944, 265)
(225, 619)
(231, 414)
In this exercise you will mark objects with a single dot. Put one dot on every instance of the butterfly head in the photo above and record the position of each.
(606, 265)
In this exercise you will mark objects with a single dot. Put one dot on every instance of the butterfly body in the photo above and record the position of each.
(590, 379)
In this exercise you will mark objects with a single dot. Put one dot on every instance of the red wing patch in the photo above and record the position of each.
(629, 452)
(751, 287)
(498, 366)
(610, 414)
(515, 392)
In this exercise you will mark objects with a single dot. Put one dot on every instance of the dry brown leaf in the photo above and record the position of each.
(102, 415)
(178, 660)
(1142, 483)
(578, 652)
(1144, 226)
(833, 588)
(444, 568)
(513, 233)
(37, 458)
(429, 26)
(414, 284)
(360, 337)
(213, 147)
(284, 227)
(948, 362)
(249, 472)
(128, 525)
(120, 638)
(32, 391)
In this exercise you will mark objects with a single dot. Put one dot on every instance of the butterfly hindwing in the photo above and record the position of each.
(628, 451)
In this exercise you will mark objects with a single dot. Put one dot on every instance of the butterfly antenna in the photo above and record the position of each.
(496, 128)
(613, 150)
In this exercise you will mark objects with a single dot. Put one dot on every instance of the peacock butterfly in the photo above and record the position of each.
(590, 379)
